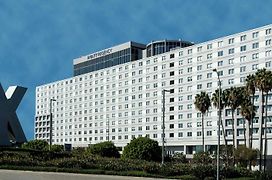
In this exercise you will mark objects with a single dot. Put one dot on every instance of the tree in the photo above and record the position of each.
(250, 90)
(202, 103)
(234, 97)
(248, 113)
(36, 144)
(142, 148)
(245, 156)
(264, 84)
(215, 101)
(104, 149)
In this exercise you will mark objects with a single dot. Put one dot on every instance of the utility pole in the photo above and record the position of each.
(218, 124)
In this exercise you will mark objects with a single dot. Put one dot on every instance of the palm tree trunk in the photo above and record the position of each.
(233, 134)
(247, 140)
(265, 132)
(261, 133)
(251, 129)
(203, 145)
(244, 127)
(224, 135)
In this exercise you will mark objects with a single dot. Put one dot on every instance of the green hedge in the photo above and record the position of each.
(67, 161)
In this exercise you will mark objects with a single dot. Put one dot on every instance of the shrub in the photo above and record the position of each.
(142, 148)
(104, 149)
(179, 158)
(203, 171)
(202, 157)
(245, 156)
(36, 144)
(57, 148)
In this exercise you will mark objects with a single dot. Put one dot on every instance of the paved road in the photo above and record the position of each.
(29, 175)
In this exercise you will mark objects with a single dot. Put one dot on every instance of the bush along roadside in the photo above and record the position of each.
(67, 162)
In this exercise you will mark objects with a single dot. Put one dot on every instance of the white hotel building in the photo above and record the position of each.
(116, 93)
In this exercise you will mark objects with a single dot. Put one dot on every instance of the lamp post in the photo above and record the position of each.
(218, 124)
(51, 123)
(163, 122)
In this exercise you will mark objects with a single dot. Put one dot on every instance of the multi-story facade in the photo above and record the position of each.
(121, 98)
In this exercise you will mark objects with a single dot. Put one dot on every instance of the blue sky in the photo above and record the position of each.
(39, 39)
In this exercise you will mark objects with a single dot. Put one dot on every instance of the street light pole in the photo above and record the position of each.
(218, 124)
(51, 123)
(163, 122)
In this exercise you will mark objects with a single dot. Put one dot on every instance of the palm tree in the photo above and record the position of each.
(250, 90)
(202, 103)
(215, 101)
(233, 96)
(248, 113)
(263, 83)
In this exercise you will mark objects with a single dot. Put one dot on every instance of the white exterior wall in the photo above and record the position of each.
(87, 102)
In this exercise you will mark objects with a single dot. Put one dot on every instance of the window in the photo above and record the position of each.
(180, 125)
(231, 71)
(171, 126)
(190, 51)
(268, 31)
(189, 134)
(231, 40)
(199, 86)
(189, 79)
(209, 133)
(231, 61)
(209, 65)
(209, 56)
(220, 53)
(231, 51)
(190, 69)
(220, 73)
(268, 64)
(220, 43)
(172, 73)
(242, 79)
(209, 85)
(231, 81)
(243, 69)
(242, 58)
(209, 75)
(243, 48)
(180, 53)
(172, 56)
(254, 66)
(171, 135)
(189, 60)
(255, 34)
(199, 67)
(255, 45)
(199, 58)
(209, 46)
(220, 63)
(268, 42)
(198, 133)
(199, 49)
(199, 77)
(268, 53)
(172, 64)
(255, 56)
(243, 38)
(180, 134)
